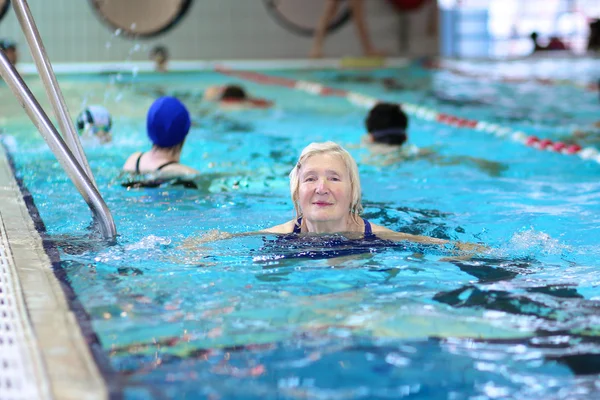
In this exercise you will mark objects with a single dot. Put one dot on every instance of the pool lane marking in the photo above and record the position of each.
(439, 66)
(314, 88)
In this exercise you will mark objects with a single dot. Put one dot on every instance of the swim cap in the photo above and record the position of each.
(6, 44)
(393, 136)
(168, 122)
(95, 117)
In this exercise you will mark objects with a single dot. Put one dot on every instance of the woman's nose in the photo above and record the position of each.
(322, 186)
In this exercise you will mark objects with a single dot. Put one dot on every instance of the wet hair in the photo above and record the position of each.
(334, 149)
(7, 45)
(159, 51)
(233, 92)
(387, 124)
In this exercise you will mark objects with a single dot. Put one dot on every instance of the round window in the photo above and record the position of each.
(141, 18)
(4, 4)
(302, 17)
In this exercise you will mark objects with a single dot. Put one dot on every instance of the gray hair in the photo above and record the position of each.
(327, 148)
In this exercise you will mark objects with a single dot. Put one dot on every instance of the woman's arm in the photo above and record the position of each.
(388, 234)
(216, 235)
(287, 227)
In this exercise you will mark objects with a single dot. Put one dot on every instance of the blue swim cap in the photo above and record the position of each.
(168, 122)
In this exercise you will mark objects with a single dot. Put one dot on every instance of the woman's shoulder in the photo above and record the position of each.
(287, 227)
(178, 170)
(380, 229)
(131, 161)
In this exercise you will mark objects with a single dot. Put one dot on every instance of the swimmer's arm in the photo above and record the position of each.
(388, 234)
(216, 235)
(425, 152)
(287, 227)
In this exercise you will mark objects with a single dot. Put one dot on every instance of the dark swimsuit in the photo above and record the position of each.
(137, 164)
(296, 246)
(188, 184)
(368, 230)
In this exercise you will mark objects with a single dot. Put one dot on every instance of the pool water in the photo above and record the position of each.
(255, 317)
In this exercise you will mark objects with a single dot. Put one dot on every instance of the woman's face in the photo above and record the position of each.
(325, 191)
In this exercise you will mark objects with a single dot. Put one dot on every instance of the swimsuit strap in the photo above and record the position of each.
(298, 225)
(368, 229)
(137, 164)
(165, 164)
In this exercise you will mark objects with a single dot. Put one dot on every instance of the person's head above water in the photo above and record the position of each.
(10, 50)
(95, 121)
(387, 124)
(160, 56)
(234, 97)
(325, 185)
(233, 93)
(168, 123)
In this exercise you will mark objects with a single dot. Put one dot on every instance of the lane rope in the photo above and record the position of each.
(425, 113)
(439, 66)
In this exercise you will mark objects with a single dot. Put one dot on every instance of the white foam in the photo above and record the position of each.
(534, 240)
(149, 242)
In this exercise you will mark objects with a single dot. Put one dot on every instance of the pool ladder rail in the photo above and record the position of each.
(69, 150)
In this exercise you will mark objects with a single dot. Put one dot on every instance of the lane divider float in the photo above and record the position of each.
(367, 102)
(436, 65)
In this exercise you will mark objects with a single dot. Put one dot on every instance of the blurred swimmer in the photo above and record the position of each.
(167, 125)
(95, 122)
(234, 97)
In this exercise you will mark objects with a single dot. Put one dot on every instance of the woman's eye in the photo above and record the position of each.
(310, 179)
(335, 179)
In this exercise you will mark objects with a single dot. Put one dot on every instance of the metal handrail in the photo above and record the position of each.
(38, 52)
(75, 165)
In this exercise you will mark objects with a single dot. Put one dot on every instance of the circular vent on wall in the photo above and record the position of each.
(4, 4)
(302, 17)
(141, 18)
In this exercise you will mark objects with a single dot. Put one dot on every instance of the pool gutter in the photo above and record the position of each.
(209, 65)
(51, 357)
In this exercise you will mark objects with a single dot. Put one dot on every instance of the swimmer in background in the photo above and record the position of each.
(10, 51)
(95, 123)
(167, 125)
(234, 97)
(387, 127)
(590, 135)
(587, 136)
(160, 56)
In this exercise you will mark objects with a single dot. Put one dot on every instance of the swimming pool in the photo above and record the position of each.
(248, 318)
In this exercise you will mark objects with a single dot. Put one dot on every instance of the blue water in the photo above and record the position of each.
(247, 318)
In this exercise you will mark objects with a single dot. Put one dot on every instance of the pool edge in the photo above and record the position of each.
(58, 351)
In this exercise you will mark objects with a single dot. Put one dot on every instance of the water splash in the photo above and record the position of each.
(531, 241)
(148, 242)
